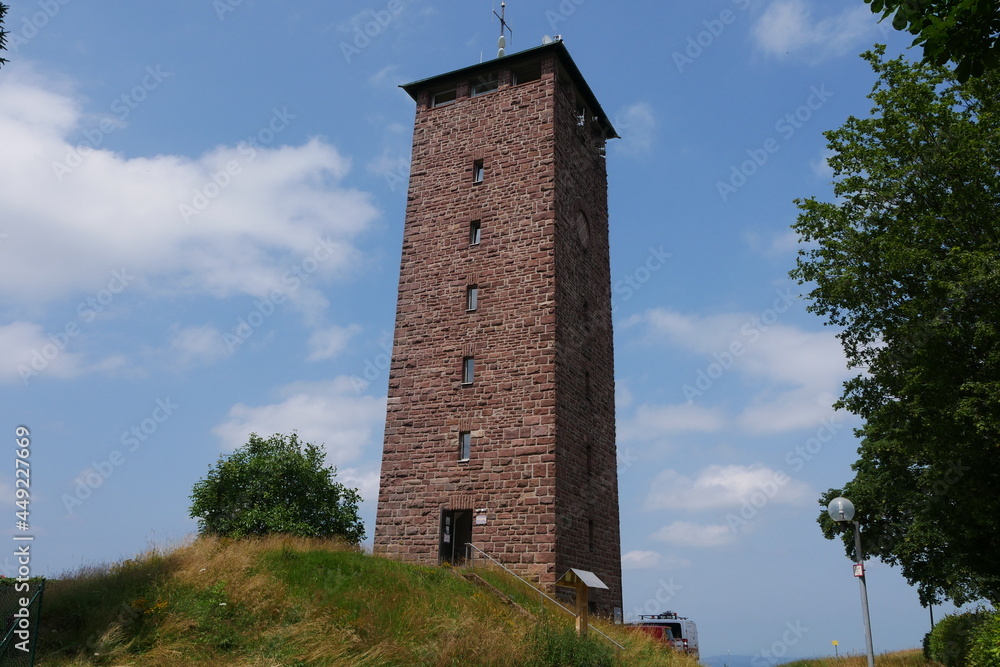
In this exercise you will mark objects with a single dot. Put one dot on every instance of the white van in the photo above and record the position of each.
(678, 631)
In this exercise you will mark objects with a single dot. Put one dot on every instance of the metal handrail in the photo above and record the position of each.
(470, 545)
(8, 640)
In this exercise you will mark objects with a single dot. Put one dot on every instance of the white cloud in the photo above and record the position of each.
(787, 27)
(801, 408)
(28, 352)
(328, 413)
(637, 126)
(192, 346)
(87, 211)
(811, 362)
(21, 343)
(328, 343)
(387, 77)
(718, 487)
(782, 244)
(686, 534)
(366, 481)
(690, 331)
(640, 560)
(772, 244)
(623, 397)
(674, 562)
(796, 374)
(821, 165)
(394, 169)
(385, 162)
(653, 421)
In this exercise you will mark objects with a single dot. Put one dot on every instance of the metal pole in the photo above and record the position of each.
(864, 595)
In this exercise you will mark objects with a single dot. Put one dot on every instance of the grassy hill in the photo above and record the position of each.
(294, 602)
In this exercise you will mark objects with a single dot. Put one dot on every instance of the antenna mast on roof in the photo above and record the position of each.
(502, 42)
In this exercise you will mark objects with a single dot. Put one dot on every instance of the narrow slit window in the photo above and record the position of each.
(586, 384)
(475, 232)
(472, 297)
(464, 445)
(590, 534)
(468, 370)
(478, 171)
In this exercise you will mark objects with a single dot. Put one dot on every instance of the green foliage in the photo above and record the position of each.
(3, 33)
(962, 31)
(104, 612)
(219, 622)
(907, 262)
(953, 636)
(984, 650)
(277, 485)
(559, 646)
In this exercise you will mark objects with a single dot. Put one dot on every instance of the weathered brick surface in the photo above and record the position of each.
(541, 408)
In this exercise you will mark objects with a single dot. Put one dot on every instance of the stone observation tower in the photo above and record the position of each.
(500, 427)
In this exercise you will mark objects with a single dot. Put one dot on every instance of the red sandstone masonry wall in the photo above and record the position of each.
(587, 535)
(510, 408)
(542, 324)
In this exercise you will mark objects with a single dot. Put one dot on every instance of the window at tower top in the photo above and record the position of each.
(444, 97)
(486, 83)
(528, 74)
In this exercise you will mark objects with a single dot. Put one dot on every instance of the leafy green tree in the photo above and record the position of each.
(963, 31)
(277, 485)
(3, 33)
(906, 261)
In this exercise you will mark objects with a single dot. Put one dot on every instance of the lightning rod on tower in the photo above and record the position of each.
(504, 28)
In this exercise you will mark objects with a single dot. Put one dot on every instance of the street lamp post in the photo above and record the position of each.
(841, 510)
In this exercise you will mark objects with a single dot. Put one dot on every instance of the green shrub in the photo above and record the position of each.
(276, 486)
(984, 645)
(951, 638)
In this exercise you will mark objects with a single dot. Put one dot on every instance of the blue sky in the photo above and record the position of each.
(201, 208)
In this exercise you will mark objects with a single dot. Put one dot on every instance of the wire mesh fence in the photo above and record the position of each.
(20, 608)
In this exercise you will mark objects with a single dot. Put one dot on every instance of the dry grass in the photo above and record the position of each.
(911, 658)
(296, 602)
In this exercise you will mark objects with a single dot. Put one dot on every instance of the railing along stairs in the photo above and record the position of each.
(470, 552)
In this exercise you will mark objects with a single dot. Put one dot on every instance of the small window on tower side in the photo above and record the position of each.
(464, 445)
(527, 75)
(486, 84)
(590, 534)
(475, 232)
(468, 370)
(583, 229)
(471, 297)
(444, 97)
(478, 171)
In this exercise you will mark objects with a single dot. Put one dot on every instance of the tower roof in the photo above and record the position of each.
(557, 47)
